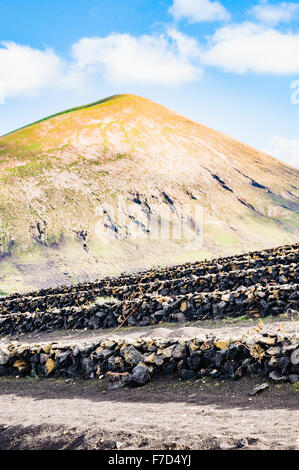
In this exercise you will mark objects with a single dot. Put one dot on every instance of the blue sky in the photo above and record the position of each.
(228, 64)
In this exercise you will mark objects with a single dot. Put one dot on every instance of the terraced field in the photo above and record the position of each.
(184, 333)
(189, 303)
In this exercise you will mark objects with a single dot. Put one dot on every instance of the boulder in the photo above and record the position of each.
(132, 356)
(118, 379)
(179, 351)
(140, 375)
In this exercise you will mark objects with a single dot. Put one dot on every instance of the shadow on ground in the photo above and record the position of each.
(222, 394)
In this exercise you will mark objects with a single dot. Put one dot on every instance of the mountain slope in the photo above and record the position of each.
(61, 178)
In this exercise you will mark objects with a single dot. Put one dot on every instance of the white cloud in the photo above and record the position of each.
(248, 47)
(197, 11)
(274, 14)
(170, 59)
(164, 59)
(284, 149)
(24, 70)
(187, 46)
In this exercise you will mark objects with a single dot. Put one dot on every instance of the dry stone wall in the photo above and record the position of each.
(275, 274)
(256, 301)
(285, 255)
(255, 285)
(275, 357)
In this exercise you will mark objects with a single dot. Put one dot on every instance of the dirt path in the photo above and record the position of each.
(165, 414)
(223, 330)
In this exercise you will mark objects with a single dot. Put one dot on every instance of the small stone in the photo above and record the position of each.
(242, 443)
(105, 353)
(167, 352)
(107, 343)
(193, 347)
(207, 345)
(183, 306)
(99, 371)
(288, 349)
(277, 378)
(222, 305)
(115, 363)
(274, 362)
(159, 360)
(295, 357)
(273, 351)
(258, 389)
(294, 378)
(63, 359)
(150, 358)
(179, 317)
(225, 297)
(267, 340)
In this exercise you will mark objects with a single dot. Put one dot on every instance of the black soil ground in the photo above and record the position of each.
(165, 414)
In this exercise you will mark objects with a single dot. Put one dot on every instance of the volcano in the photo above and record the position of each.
(62, 179)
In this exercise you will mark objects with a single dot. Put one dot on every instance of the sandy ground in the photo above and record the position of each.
(165, 414)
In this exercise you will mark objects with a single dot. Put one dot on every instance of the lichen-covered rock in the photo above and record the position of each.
(179, 351)
(49, 367)
(118, 380)
(22, 366)
(132, 356)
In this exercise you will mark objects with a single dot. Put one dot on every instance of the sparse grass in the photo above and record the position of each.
(119, 156)
(225, 239)
(30, 169)
(78, 108)
(33, 255)
(240, 319)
